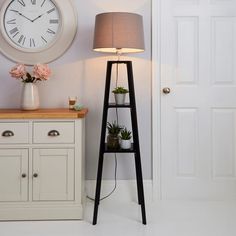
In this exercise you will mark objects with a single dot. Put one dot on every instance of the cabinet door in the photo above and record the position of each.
(13, 174)
(53, 174)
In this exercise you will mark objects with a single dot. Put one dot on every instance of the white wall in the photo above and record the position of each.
(81, 72)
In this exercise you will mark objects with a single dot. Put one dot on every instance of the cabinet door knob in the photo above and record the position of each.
(35, 175)
(7, 133)
(23, 175)
(166, 90)
(53, 133)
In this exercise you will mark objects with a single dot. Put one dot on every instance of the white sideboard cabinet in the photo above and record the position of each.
(42, 164)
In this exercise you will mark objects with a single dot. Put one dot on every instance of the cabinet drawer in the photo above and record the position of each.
(53, 132)
(14, 133)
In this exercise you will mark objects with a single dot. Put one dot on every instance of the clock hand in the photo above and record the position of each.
(37, 17)
(24, 16)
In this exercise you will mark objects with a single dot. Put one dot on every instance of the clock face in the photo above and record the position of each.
(31, 25)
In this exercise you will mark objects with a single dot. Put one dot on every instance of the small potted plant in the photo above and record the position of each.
(113, 135)
(125, 139)
(120, 93)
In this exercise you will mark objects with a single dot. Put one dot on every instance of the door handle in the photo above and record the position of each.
(166, 90)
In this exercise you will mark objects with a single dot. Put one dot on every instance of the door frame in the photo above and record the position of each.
(156, 98)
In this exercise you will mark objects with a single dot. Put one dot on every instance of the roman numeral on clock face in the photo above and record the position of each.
(32, 42)
(53, 9)
(21, 40)
(43, 3)
(21, 2)
(51, 31)
(14, 10)
(44, 39)
(13, 21)
(14, 30)
(33, 2)
(54, 21)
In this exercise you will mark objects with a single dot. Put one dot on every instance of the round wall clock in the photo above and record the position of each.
(36, 31)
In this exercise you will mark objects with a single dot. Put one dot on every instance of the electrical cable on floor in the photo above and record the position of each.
(114, 188)
(117, 120)
(115, 176)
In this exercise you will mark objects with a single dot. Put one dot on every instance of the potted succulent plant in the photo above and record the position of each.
(113, 135)
(120, 93)
(125, 139)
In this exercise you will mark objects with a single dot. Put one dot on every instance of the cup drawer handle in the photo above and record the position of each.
(7, 133)
(53, 133)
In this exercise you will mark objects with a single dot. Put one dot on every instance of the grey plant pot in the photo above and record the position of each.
(120, 98)
(125, 144)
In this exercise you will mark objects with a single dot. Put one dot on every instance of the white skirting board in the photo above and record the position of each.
(126, 190)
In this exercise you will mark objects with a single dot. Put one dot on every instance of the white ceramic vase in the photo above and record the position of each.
(120, 98)
(29, 97)
(125, 144)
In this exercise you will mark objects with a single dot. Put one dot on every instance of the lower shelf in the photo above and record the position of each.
(108, 150)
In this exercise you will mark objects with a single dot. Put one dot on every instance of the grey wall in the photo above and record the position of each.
(81, 72)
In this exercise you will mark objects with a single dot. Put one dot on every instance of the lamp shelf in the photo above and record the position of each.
(114, 105)
(108, 150)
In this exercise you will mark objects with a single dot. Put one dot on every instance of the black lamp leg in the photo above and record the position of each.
(98, 189)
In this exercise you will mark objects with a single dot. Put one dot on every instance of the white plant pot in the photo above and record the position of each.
(120, 98)
(29, 97)
(125, 144)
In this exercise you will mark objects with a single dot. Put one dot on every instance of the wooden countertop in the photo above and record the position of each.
(52, 113)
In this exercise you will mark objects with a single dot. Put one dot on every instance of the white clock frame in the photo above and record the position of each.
(55, 49)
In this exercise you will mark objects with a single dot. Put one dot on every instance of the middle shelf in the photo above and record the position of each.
(108, 150)
(114, 105)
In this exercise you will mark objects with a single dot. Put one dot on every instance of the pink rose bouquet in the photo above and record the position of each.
(18, 71)
(40, 72)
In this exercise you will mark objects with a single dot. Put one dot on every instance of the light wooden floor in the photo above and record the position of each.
(123, 219)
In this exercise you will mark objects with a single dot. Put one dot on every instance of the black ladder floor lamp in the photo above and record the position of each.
(124, 23)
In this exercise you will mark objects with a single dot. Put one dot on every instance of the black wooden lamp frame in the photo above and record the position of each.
(135, 146)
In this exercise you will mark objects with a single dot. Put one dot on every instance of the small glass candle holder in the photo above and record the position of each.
(72, 101)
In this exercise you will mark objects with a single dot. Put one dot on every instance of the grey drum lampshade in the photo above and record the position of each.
(118, 31)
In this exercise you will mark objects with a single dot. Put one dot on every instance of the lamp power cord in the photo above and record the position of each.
(115, 156)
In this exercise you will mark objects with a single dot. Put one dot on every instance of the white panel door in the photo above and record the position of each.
(53, 174)
(198, 116)
(13, 175)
